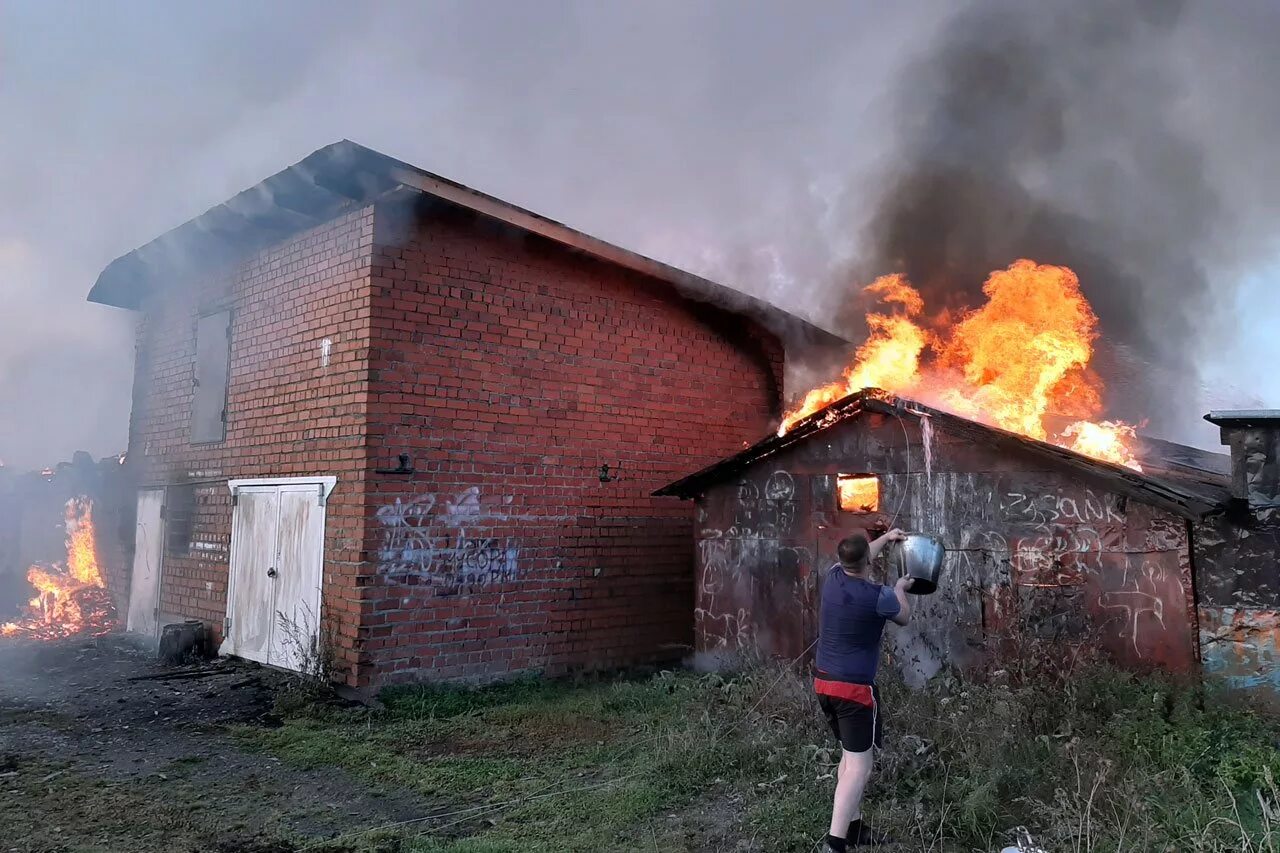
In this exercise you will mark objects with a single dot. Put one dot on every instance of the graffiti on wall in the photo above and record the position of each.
(1053, 507)
(1077, 540)
(1138, 602)
(447, 542)
(1028, 557)
(751, 584)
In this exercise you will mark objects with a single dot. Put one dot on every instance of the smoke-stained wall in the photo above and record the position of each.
(1038, 562)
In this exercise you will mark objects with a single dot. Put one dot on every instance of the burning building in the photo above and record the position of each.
(70, 519)
(382, 412)
(1066, 535)
(69, 598)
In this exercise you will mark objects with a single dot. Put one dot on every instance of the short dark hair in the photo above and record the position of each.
(853, 551)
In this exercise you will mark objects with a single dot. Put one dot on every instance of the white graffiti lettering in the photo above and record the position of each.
(781, 486)
(1051, 508)
(448, 544)
(1137, 601)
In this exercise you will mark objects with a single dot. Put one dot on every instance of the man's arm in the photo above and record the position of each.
(877, 545)
(903, 616)
(900, 588)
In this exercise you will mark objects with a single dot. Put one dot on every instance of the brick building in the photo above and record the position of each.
(381, 412)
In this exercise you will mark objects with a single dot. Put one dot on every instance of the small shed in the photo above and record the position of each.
(1048, 552)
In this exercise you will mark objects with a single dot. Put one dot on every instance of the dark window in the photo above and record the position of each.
(213, 364)
(179, 519)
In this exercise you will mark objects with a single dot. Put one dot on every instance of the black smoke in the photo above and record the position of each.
(1060, 131)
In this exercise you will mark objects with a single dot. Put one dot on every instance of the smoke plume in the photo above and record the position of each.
(792, 153)
(1068, 132)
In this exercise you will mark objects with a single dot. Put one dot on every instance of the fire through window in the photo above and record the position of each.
(858, 492)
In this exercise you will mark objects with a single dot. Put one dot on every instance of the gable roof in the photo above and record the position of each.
(1190, 495)
(345, 176)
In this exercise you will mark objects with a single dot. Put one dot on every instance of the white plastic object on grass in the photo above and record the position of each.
(1025, 844)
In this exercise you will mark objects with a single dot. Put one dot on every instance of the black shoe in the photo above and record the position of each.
(861, 835)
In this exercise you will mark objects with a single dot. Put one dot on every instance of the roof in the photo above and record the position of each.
(344, 176)
(1192, 490)
(1244, 417)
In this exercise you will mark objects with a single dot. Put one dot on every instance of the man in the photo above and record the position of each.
(851, 622)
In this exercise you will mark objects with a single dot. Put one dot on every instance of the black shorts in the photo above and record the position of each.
(855, 725)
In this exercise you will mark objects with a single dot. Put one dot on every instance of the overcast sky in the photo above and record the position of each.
(725, 137)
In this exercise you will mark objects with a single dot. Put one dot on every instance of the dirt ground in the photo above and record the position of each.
(90, 745)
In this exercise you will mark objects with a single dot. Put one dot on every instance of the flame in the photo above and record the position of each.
(70, 601)
(859, 494)
(1019, 362)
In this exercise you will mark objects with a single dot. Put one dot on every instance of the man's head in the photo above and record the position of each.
(853, 551)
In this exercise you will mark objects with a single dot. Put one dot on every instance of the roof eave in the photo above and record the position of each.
(1245, 418)
(343, 175)
(1178, 501)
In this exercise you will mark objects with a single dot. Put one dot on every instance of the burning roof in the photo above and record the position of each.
(1191, 489)
(1020, 361)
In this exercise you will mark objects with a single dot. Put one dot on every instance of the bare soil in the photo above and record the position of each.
(92, 760)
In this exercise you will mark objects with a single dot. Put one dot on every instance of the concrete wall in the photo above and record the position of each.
(1038, 562)
(1238, 581)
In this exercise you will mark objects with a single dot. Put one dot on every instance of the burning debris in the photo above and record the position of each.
(73, 599)
(1020, 362)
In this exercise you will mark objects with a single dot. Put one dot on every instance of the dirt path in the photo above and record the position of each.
(82, 747)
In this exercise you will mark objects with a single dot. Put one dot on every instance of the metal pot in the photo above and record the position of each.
(919, 557)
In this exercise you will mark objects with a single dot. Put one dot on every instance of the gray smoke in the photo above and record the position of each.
(1070, 132)
(762, 145)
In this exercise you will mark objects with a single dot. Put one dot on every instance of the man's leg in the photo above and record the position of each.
(859, 732)
(851, 782)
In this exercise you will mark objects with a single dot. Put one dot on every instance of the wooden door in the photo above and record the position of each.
(148, 551)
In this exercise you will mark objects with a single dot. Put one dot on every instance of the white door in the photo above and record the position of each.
(277, 554)
(148, 550)
(253, 556)
(299, 555)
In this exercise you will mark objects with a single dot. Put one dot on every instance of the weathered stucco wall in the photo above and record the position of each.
(1032, 554)
(1238, 581)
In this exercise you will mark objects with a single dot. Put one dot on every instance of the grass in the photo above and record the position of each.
(1103, 761)
(47, 807)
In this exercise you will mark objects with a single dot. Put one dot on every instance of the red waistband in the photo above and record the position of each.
(860, 693)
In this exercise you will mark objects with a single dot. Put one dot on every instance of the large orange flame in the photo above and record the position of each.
(70, 601)
(1019, 362)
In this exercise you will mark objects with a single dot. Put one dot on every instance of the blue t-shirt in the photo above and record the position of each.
(850, 623)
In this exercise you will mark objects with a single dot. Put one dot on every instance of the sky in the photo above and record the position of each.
(735, 139)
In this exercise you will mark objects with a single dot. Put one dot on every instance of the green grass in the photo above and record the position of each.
(1103, 761)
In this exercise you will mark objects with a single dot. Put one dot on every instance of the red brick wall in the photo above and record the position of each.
(511, 369)
(287, 414)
